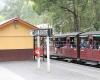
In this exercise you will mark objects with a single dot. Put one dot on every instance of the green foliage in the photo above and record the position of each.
(70, 15)
(22, 9)
(63, 15)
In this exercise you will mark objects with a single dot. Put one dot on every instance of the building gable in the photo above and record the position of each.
(16, 27)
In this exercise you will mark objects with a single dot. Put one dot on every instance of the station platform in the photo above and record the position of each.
(27, 70)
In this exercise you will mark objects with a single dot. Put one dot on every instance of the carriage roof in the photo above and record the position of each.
(94, 33)
(67, 34)
(82, 34)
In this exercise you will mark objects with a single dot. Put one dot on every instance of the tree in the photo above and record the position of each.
(22, 9)
(71, 15)
(96, 14)
(65, 12)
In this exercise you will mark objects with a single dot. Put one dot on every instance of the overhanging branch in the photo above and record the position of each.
(67, 9)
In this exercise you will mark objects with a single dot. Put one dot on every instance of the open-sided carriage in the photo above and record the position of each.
(79, 46)
(90, 46)
(67, 45)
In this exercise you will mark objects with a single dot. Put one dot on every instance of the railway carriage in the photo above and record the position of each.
(78, 46)
(90, 46)
(67, 45)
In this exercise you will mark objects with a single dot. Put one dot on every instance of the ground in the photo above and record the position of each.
(27, 70)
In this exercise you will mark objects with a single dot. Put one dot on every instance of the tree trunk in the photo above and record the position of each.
(76, 23)
(76, 18)
(96, 15)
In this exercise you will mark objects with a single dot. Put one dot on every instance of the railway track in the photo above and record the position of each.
(91, 64)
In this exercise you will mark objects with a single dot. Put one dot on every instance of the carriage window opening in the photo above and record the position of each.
(60, 42)
(96, 42)
(84, 43)
(73, 42)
